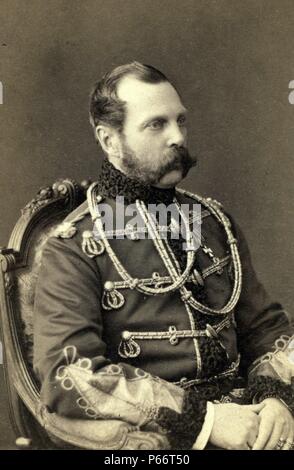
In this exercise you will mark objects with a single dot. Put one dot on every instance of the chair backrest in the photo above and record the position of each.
(19, 266)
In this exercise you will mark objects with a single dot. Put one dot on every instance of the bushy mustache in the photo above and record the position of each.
(175, 158)
(179, 158)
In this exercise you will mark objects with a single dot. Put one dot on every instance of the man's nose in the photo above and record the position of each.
(177, 135)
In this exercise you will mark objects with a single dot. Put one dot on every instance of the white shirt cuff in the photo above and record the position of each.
(205, 432)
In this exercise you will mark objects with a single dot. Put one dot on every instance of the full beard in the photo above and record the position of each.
(175, 158)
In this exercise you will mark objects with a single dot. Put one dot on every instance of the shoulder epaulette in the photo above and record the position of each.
(212, 205)
(91, 245)
(67, 228)
(93, 198)
(206, 201)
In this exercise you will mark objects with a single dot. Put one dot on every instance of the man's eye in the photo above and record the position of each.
(182, 120)
(155, 125)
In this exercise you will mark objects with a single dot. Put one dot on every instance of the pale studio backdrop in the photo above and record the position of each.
(232, 61)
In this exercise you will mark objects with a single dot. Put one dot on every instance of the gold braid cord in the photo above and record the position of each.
(178, 278)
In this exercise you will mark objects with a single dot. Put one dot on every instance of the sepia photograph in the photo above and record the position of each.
(147, 226)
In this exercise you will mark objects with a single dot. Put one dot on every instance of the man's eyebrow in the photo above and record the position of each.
(161, 117)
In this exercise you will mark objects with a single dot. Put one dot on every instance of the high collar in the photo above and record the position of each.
(113, 183)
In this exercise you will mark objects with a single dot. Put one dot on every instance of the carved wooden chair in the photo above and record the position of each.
(33, 425)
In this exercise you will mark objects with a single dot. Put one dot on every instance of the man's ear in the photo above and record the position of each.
(108, 139)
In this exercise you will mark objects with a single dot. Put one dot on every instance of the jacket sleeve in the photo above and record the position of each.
(265, 337)
(77, 380)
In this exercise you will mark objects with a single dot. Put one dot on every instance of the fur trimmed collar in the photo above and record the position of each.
(113, 182)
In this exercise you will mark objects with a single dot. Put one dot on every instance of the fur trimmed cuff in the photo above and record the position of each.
(183, 428)
(262, 387)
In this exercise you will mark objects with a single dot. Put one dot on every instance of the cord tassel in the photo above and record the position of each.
(112, 299)
(128, 348)
(90, 246)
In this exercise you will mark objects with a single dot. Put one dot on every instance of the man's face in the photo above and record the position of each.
(153, 143)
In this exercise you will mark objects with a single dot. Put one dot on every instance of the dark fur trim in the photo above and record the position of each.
(262, 387)
(183, 429)
(113, 182)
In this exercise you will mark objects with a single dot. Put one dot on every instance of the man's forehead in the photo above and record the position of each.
(142, 96)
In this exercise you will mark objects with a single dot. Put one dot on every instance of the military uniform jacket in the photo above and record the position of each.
(106, 348)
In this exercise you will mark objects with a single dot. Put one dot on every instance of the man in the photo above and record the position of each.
(156, 331)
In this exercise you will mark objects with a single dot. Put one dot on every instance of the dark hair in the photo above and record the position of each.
(105, 107)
